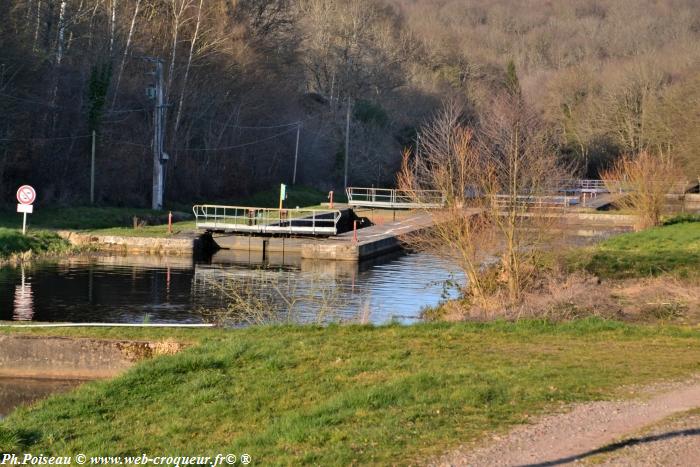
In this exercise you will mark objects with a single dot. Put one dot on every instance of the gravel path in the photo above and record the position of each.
(589, 430)
(671, 443)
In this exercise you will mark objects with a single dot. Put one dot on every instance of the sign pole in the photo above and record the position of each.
(92, 171)
(347, 143)
(296, 155)
(25, 197)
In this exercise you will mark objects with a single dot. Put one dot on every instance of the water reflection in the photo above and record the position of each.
(16, 391)
(24, 303)
(174, 289)
(133, 289)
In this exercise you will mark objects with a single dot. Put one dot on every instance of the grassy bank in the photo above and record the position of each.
(13, 243)
(76, 218)
(672, 248)
(148, 230)
(341, 395)
(119, 220)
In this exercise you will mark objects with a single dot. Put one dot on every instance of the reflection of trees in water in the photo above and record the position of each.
(274, 296)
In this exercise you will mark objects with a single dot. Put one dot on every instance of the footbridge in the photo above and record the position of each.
(256, 220)
(387, 198)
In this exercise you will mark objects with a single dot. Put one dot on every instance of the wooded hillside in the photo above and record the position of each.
(606, 76)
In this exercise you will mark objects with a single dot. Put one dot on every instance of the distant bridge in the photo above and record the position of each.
(387, 198)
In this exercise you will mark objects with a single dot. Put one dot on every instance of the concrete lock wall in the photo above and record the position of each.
(68, 358)
(149, 245)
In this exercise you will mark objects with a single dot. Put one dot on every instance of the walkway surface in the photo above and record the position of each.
(601, 200)
(390, 229)
(630, 432)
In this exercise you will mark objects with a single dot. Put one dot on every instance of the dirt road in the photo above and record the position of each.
(630, 432)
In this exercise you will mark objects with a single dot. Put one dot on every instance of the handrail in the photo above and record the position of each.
(266, 220)
(393, 198)
(582, 185)
(535, 201)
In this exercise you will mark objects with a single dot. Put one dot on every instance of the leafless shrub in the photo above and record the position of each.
(509, 159)
(559, 296)
(263, 298)
(519, 161)
(644, 180)
(448, 162)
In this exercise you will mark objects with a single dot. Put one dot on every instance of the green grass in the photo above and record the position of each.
(350, 394)
(76, 218)
(682, 218)
(38, 242)
(147, 231)
(673, 248)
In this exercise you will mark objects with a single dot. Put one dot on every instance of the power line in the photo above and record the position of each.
(129, 143)
(245, 127)
(22, 99)
(45, 139)
(237, 146)
(125, 111)
(221, 148)
(262, 127)
(38, 102)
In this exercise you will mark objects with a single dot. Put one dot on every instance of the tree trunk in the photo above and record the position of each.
(61, 32)
(112, 27)
(38, 23)
(126, 52)
(187, 69)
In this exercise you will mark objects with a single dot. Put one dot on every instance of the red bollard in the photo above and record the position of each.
(354, 231)
(170, 222)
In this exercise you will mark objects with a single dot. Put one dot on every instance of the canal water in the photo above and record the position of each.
(16, 391)
(229, 288)
(226, 288)
(137, 289)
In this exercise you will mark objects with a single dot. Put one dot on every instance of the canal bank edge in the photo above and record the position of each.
(366, 243)
(185, 245)
(51, 357)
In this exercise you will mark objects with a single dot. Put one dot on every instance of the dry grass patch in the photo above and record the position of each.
(567, 297)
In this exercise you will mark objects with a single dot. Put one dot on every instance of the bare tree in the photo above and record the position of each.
(521, 169)
(183, 89)
(449, 161)
(643, 180)
(126, 51)
(492, 179)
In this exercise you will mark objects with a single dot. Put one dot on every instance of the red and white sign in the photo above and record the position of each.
(26, 194)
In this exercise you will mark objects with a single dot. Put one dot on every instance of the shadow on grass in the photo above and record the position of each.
(14, 441)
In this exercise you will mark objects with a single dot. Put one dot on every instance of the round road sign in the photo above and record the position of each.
(26, 194)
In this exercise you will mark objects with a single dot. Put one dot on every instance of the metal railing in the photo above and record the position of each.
(599, 186)
(582, 186)
(266, 220)
(390, 198)
(537, 202)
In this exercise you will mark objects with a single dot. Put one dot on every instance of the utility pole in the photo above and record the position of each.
(159, 157)
(347, 141)
(296, 154)
(92, 171)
